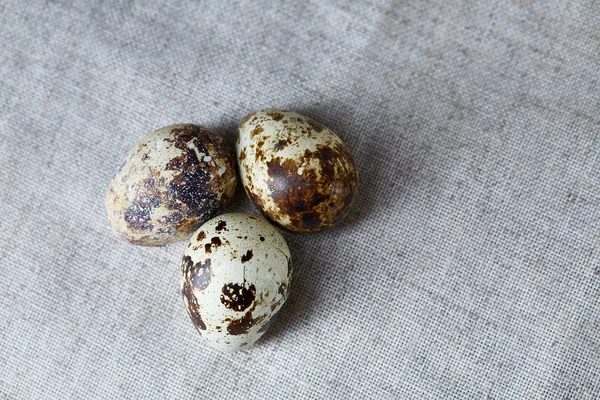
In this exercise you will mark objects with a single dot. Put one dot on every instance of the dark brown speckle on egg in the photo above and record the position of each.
(237, 297)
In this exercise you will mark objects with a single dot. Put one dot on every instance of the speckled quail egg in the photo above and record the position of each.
(174, 180)
(297, 172)
(235, 276)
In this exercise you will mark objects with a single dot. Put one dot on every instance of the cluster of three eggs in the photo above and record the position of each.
(236, 270)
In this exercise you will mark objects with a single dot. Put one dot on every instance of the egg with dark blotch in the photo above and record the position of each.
(297, 172)
(174, 180)
(235, 276)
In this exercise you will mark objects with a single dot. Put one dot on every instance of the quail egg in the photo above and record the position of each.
(235, 276)
(174, 179)
(297, 172)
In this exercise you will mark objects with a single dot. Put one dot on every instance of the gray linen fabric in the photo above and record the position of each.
(468, 269)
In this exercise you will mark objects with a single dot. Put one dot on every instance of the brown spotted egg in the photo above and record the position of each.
(296, 171)
(235, 276)
(174, 180)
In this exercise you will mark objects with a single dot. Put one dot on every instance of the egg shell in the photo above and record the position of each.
(235, 276)
(175, 179)
(298, 173)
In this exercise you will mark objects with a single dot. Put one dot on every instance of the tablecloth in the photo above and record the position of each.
(469, 268)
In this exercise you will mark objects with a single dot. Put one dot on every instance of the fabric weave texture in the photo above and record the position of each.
(469, 267)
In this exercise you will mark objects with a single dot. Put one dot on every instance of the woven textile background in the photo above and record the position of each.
(468, 269)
